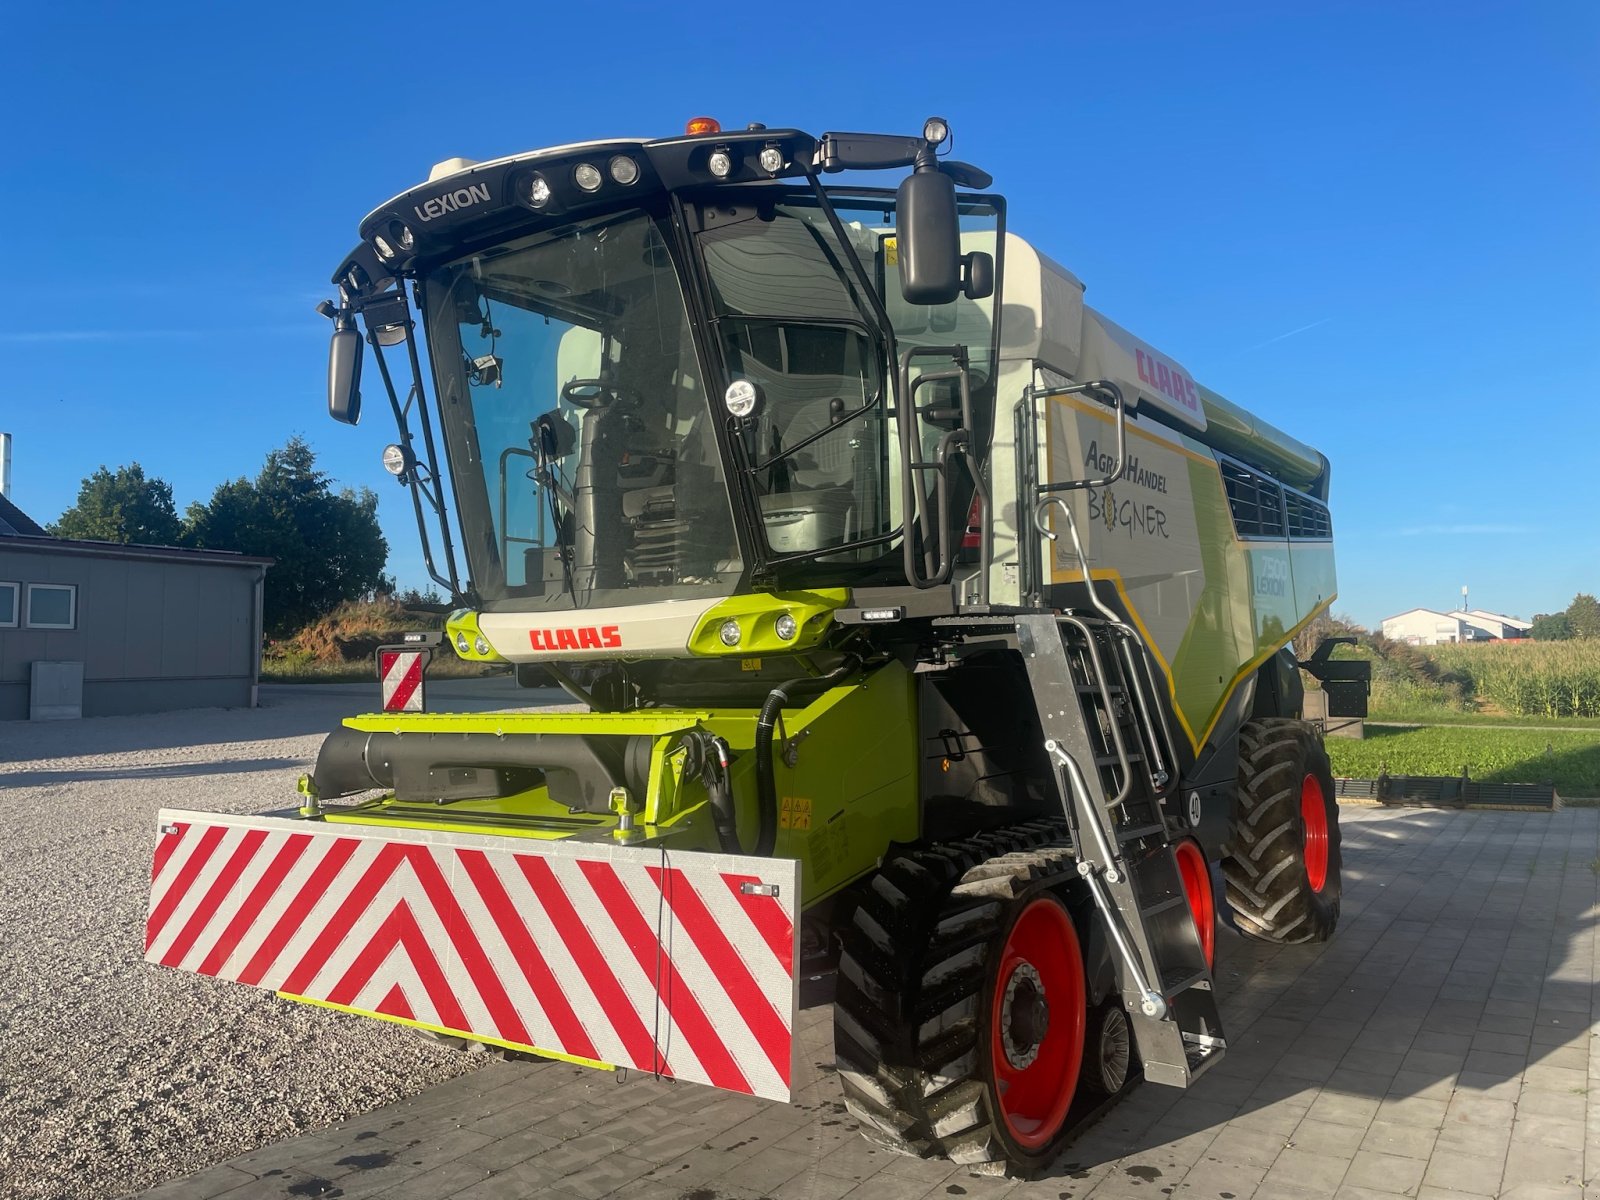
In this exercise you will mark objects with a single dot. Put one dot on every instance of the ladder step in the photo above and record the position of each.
(1135, 832)
(1111, 760)
(1162, 906)
(1182, 981)
(1091, 689)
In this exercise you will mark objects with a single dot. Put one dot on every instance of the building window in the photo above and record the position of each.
(52, 606)
(8, 605)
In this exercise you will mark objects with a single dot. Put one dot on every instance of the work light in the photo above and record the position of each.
(721, 163)
(587, 176)
(624, 170)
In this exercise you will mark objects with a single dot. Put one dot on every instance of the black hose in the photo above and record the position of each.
(706, 757)
(766, 784)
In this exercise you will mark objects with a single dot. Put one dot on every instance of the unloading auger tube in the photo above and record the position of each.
(692, 416)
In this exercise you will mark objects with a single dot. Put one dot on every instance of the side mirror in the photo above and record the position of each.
(929, 248)
(977, 275)
(344, 376)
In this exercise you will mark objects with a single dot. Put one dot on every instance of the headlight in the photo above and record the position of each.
(741, 397)
(538, 191)
(721, 163)
(481, 646)
(624, 170)
(729, 633)
(586, 176)
(463, 647)
(786, 627)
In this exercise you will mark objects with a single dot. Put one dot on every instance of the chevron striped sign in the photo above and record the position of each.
(676, 963)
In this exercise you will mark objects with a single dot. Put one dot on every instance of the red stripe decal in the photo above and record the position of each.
(266, 887)
(166, 843)
(474, 960)
(395, 1004)
(767, 915)
(400, 929)
(180, 886)
(597, 973)
(731, 971)
(407, 685)
(541, 979)
(652, 957)
(355, 903)
(333, 861)
(215, 894)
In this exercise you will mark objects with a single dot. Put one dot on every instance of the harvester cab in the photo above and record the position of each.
(942, 650)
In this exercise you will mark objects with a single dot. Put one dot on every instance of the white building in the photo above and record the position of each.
(1426, 627)
(1498, 624)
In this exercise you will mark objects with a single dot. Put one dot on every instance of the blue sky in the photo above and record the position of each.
(1374, 224)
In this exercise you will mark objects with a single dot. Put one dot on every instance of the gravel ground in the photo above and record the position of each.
(116, 1075)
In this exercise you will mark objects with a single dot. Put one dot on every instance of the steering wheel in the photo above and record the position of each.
(595, 393)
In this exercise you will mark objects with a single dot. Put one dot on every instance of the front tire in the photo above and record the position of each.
(959, 1021)
(1283, 863)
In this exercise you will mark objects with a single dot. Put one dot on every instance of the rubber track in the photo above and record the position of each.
(911, 974)
(1265, 865)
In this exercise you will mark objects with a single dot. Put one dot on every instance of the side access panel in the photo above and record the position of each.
(678, 964)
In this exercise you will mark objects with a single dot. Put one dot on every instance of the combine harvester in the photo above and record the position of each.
(929, 626)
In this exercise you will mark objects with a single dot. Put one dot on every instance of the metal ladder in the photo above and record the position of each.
(1114, 770)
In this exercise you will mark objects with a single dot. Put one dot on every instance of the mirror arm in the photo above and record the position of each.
(412, 481)
(454, 583)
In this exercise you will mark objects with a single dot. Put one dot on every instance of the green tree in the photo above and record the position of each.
(1583, 614)
(1550, 627)
(326, 545)
(122, 506)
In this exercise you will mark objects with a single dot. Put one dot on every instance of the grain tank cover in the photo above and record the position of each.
(1111, 352)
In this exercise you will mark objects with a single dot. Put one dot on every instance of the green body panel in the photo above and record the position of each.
(757, 617)
(851, 791)
(464, 622)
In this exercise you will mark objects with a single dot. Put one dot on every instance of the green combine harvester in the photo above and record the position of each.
(927, 628)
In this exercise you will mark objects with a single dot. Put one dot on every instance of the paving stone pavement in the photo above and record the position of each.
(1442, 1046)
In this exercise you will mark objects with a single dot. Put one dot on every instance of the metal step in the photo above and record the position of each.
(1162, 973)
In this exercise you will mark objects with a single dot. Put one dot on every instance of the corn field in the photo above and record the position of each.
(1532, 679)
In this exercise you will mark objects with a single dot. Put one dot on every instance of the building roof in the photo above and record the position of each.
(45, 544)
(16, 523)
(1430, 611)
(1515, 622)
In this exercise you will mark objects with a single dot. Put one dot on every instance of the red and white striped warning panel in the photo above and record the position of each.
(678, 963)
(401, 674)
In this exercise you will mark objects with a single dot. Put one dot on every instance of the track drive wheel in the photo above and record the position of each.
(1283, 863)
(959, 1021)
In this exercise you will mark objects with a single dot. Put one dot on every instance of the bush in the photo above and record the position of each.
(352, 632)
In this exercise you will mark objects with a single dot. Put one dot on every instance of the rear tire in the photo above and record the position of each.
(944, 1048)
(1283, 862)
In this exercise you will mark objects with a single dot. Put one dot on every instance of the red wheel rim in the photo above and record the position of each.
(1314, 823)
(1196, 876)
(1034, 1077)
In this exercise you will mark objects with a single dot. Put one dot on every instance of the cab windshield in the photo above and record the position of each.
(584, 451)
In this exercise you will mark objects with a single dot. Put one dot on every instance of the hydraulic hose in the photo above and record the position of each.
(766, 784)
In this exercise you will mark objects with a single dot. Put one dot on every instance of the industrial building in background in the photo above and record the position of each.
(1428, 627)
(99, 629)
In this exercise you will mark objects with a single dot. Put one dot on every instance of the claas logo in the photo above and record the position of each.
(583, 637)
